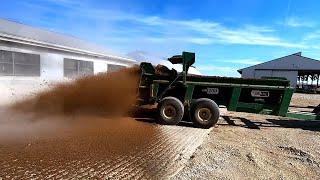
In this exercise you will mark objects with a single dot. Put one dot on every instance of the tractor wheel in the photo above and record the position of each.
(204, 113)
(170, 111)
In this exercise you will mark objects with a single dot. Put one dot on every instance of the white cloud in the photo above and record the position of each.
(312, 36)
(259, 28)
(210, 67)
(298, 22)
(312, 39)
(240, 61)
(124, 26)
(203, 32)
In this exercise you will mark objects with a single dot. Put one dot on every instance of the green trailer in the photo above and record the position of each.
(199, 97)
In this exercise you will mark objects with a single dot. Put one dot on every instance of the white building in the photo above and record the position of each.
(31, 57)
(294, 67)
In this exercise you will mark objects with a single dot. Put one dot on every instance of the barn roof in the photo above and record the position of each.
(293, 62)
(21, 33)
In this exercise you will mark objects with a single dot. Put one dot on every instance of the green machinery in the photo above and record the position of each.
(199, 97)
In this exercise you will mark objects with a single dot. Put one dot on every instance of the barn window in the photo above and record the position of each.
(113, 67)
(75, 68)
(19, 64)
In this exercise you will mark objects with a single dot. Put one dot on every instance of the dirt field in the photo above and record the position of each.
(248, 146)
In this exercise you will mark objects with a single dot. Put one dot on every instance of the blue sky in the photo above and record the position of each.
(226, 35)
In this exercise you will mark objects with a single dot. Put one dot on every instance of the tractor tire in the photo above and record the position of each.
(170, 111)
(204, 113)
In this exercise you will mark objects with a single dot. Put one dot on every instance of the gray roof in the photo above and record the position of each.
(295, 62)
(38, 36)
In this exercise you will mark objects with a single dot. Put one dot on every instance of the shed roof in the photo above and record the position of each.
(292, 62)
(21, 33)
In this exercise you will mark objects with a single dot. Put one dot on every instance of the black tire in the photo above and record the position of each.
(210, 115)
(170, 111)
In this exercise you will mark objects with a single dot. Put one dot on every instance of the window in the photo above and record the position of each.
(113, 67)
(75, 68)
(19, 64)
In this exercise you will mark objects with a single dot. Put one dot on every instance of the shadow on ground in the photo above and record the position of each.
(312, 125)
(149, 115)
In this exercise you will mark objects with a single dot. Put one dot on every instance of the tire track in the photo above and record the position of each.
(156, 157)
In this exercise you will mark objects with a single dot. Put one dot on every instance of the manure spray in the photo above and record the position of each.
(72, 106)
(109, 93)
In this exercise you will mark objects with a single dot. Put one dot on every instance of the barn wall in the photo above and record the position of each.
(13, 88)
(290, 75)
(258, 73)
(262, 73)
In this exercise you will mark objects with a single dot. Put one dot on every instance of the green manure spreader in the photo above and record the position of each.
(198, 97)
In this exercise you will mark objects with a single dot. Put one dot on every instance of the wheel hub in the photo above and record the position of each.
(204, 114)
(169, 112)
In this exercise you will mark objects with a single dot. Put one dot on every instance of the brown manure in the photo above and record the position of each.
(110, 93)
(162, 70)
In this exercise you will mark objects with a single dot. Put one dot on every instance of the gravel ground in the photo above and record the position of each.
(304, 102)
(299, 99)
(249, 146)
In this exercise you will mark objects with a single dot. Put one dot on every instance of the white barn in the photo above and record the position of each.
(293, 67)
(31, 57)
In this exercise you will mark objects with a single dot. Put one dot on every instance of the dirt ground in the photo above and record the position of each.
(95, 147)
(241, 146)
(248, 146)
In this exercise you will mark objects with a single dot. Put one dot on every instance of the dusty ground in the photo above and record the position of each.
(122, 148)
(248, 146)
(300, 99)
(242, 146)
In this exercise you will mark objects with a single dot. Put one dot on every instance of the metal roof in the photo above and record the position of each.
(295, 62)
(17, 32)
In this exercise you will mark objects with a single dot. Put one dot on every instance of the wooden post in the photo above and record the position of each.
(313, 77)
(318, 81)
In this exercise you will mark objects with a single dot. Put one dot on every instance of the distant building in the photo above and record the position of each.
(30, 56)
(300, 70)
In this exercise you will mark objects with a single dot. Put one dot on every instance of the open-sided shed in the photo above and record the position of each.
(303, 72)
